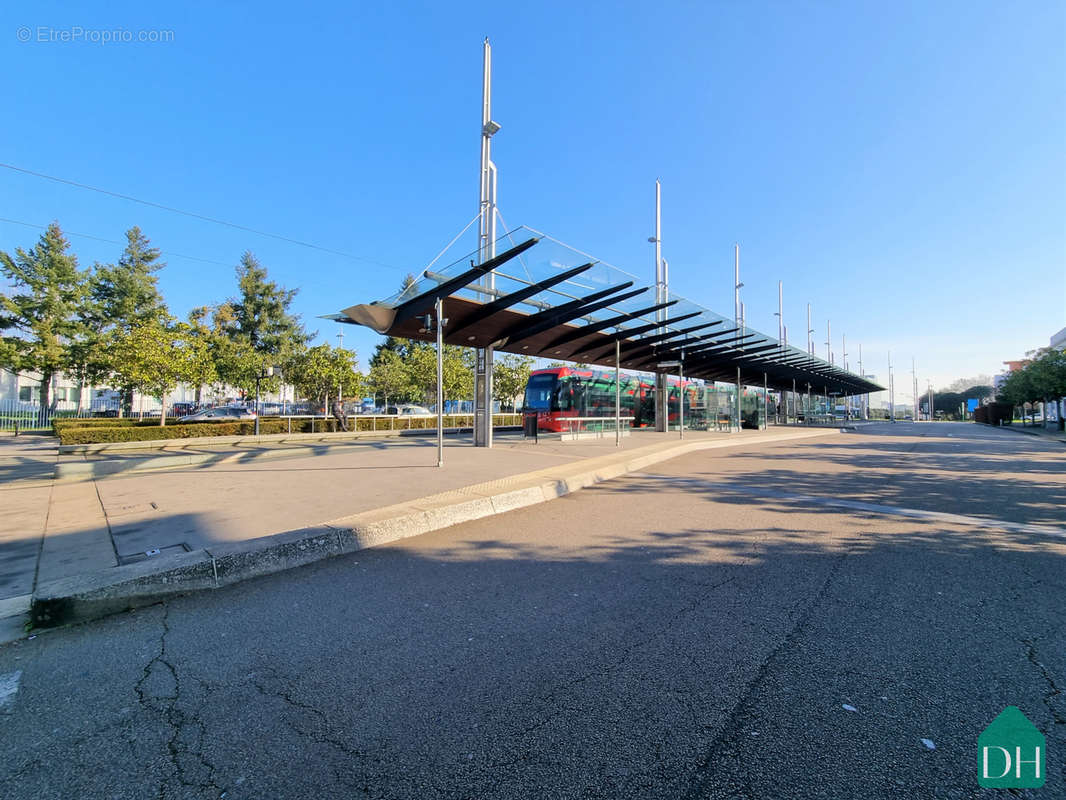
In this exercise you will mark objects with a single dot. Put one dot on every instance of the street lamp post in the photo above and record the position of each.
(810, 332)
(661, 404)
(736, 281)
(891, 388)
(429, 322)
(680, 364)
(487, 249)
(262, 375)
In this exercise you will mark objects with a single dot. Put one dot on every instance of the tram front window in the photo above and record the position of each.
(540, 392)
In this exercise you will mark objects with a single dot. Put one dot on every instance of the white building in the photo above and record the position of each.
(22, 392)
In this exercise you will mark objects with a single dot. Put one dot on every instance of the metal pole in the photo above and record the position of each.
(617, 394)
(828, 342)
(257, 405)
(736, 283)
(781, 313)
(661, 390)
(765, 402)
(891, 388)
(810, 330)
(438, 311)
(914, 381)
(658, 249)
(865, 396)
(487, 249)
(738, 400)
(681, 397)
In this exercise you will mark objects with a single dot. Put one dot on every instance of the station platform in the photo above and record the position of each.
(100, 531)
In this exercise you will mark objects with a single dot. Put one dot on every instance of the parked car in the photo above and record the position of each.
(413, 411)
(220, 414)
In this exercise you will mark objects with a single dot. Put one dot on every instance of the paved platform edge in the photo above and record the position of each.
(98, 594)
(297, 447)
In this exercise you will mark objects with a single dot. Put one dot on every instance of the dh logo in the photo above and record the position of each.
(1011, 753)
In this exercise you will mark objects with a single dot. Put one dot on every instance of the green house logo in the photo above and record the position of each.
(1011, 753)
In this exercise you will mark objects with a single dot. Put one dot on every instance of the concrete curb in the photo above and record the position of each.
(98, 594)
(1051, 437)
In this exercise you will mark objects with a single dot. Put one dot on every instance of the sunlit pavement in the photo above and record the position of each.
(791, 621)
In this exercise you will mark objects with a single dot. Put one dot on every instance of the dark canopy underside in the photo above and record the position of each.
(551, 313)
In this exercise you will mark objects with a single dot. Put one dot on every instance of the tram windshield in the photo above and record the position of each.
(540, 391)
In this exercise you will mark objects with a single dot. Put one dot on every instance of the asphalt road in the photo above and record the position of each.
(695, 631)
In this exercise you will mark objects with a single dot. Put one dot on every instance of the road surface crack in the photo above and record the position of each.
(1054, 693)
(730, 729)
(323, 736)
(164, 706)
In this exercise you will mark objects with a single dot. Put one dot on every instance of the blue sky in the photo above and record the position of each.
(901, 166)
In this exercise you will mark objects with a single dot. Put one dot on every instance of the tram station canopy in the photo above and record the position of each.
(540, 297)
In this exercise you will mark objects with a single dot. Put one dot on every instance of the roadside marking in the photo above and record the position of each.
(875, 508)
(9, 686)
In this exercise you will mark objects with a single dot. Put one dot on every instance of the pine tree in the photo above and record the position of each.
(122, 297)
(40, 317)
(126, 294)
(261, 314)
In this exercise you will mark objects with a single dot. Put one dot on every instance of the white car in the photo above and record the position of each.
(413, 411)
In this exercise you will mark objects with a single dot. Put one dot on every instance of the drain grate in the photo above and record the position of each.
(144, 555)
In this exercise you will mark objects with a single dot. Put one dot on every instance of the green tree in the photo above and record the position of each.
(235, 360)
(420, 364)
(40, 317)
(126, 294)
(155, 356)
(1042, 380)
(122, 297)
(261, 314)
(389, 376)
(204, 369)
(323, 371)
(510, 375)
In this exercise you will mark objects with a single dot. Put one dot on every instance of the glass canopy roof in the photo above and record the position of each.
(551, 300)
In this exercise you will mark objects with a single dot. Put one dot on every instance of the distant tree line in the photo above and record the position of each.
(1042, 380)
(949, 402)
(109, 325)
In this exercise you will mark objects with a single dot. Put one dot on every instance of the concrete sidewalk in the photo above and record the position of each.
(1036, 430)
(77, 550)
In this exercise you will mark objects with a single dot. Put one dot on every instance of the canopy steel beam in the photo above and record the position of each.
(607, 323)
(627, 334)
(411, 308)
(515, 298)
(564, 313)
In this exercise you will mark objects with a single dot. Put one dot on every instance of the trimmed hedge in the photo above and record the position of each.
(122, 422)
(137, 431)
(99, 422)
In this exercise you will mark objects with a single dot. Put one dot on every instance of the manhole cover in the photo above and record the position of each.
(154, 552)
